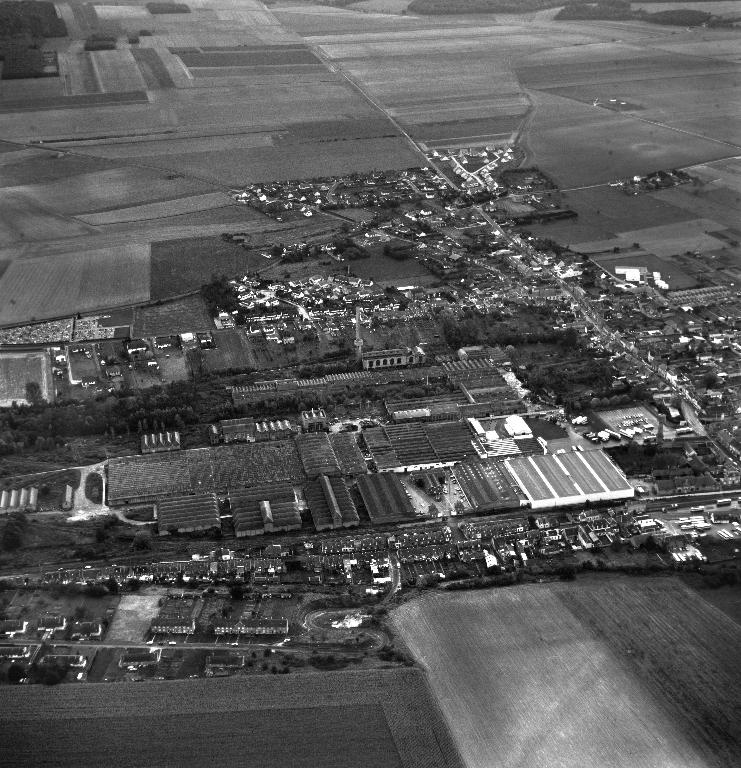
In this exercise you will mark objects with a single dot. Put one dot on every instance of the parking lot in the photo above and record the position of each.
(445, 504)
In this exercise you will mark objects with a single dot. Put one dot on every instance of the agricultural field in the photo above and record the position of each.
(609, 672)
(352, 719)
(390, 271)
(160, 210)
(65, 284)
(232, 351)
(107, 190)
(673, 94)
(21, 368)
(172, 317)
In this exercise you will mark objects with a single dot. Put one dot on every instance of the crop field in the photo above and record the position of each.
(171, 317)
(293, 161)
(159, 210)
(107, 190)
(117, 71)
(608, 673)
(606, 211)
(23, 166)
(133, 616)
(232, 351)
(204, 256)
(384, 269)
(665, 241)
(447, 83)
(692, 94)
(17, 370)
(578, 145)
(23, 219)
(352, 719)
(152, 67)
(144, 147)
(48, 287)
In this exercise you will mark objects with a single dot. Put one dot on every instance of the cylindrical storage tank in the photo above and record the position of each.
(4, 499)
(24, 497)
(14, 498)
(33, 498)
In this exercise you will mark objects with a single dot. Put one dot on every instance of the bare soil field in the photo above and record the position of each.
(133, 617)
(348, 719)
(48, 287)
(607, 672)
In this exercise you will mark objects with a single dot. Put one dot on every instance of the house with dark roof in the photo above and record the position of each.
(51, 622)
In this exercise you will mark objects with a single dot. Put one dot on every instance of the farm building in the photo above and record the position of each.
(248, 430)
(349, 456)
(385, 499)
(264, 509)
(236, 430)
(160, 442)
(12, 499)
(314, 420)
(17, 370)
(488, 486)
(183, 514)
(317, 455)
(555, 480)
(330, 504)
(278, 429)
(393, 358)
(440, 408)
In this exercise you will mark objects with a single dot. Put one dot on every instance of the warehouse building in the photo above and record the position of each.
(349, 456)
(416, 446)
(316, 454)
(264, 509)
(139, 479)
(569, 478)
(488, 486)
(385, 499)
(330, 504)
(185, 514)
